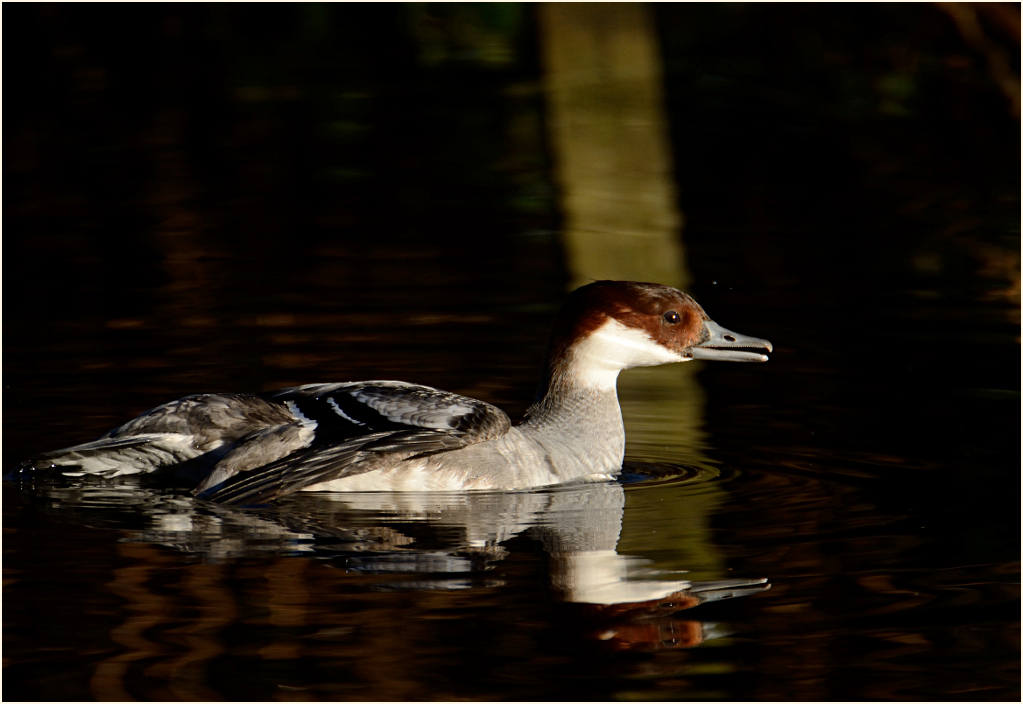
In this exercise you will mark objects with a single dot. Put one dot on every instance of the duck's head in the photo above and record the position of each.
(608, 326)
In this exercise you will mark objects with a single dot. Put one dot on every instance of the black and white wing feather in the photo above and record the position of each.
(355, 428)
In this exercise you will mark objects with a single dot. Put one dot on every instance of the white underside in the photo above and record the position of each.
(408, 476)
(517, 460)
(417, 477)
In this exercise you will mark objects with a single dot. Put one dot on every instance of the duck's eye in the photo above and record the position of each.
(672, 317)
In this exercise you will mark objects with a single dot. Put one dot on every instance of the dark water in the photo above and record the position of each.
(396, 218)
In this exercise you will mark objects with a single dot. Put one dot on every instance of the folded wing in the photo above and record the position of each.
(353, 428)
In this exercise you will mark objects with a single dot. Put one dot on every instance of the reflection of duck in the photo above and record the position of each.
(423, 540)
(393, 436)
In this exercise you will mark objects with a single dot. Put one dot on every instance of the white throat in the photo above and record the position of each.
(596, 360)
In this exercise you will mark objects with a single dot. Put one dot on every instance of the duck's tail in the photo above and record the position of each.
(111, 457)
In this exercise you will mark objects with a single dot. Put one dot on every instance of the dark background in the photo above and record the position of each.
(351, 122)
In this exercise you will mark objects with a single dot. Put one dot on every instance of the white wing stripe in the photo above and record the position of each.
(302, 417)
(337, 409)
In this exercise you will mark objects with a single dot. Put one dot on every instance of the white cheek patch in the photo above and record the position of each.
(613, 347)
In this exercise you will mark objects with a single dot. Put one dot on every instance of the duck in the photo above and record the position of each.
(390, 436)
